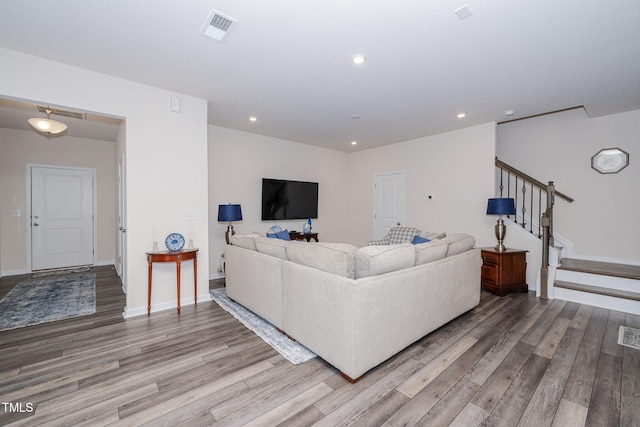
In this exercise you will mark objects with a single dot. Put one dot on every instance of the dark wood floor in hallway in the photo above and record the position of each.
(512, 361)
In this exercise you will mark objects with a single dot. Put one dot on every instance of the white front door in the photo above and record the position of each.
(61, 217)
(388, 202)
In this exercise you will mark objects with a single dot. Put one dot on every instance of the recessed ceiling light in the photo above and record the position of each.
(358, 59)
(355, 116)
(461, 115)
(253, 118)
(354, 142)
(509, 112)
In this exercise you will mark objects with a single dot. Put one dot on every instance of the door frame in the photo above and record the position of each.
(30, 167)
(403, 190)
(121, 256)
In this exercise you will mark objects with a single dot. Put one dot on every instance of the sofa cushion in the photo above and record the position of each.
(433, 236)
(431, 251)
(374, 260)
(273, 247)
(458, 243)
(336, 258)
(247, 241)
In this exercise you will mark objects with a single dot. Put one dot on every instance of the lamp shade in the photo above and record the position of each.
(47, 125)
(228, 213)
(501, 206)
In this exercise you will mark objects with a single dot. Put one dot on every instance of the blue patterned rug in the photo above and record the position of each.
(629, 337)
(46, 300)
(293, 351)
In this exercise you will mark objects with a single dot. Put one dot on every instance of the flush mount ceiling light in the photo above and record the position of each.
(46, 125)
(358, 59)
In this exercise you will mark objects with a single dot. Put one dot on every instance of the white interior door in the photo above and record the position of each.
(61, 217)
(388, 202)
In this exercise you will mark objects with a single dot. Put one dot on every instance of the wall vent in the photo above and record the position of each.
(218, 26)
(61, 112)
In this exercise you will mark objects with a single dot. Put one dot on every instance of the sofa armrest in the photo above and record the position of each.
(254, 280)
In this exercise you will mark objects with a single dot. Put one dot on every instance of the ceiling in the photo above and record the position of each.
(287, 62)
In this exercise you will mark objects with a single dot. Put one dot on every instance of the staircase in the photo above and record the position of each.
(601, 284)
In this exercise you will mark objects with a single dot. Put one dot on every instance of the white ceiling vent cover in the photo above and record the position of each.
(218, 26)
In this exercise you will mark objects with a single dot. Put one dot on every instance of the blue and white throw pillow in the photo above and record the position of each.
(282, 235)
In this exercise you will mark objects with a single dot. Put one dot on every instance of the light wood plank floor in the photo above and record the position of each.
(512, 361)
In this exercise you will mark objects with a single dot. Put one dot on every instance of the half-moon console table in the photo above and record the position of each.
(177, 257)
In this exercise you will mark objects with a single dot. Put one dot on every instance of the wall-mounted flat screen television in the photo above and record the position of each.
(282, 199)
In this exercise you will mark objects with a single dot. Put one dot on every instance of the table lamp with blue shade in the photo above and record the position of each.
(501, 206)
(229, 213)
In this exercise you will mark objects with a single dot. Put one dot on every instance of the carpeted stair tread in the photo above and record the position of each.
(602, 268)
(635, 296)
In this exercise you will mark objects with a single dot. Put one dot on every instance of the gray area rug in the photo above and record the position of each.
(629, 337)
(293, 351)
(46, 300)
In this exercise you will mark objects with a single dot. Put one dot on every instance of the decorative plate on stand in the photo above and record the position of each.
(174, 242)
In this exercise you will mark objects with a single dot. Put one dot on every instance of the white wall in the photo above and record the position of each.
(457, 167)
(239, 160)
(166, 156)
(18, 148)
(602, 221)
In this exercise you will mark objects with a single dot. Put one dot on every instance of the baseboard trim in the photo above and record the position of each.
(168, 305)
(13, 273)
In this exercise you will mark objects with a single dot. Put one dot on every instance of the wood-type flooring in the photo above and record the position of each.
(512, 361)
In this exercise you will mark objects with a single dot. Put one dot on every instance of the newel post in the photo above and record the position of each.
(551, 200)
(544, 268)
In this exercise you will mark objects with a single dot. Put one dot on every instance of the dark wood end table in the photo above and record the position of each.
(504, 272)
(304, 236)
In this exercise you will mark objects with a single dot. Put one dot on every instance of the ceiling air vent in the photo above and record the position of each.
(218, 26)
(60, 112)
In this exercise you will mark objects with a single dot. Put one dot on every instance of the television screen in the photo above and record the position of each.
(283, 199)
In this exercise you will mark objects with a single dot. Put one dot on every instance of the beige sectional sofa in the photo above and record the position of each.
(354, 307)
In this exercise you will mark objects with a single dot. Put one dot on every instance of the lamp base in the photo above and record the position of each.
(230, 232)
(501, 232)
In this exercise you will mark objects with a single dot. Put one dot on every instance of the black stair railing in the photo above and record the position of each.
(528, 194)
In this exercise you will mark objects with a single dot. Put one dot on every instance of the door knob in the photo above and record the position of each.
(124, 230)
(35, 224)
